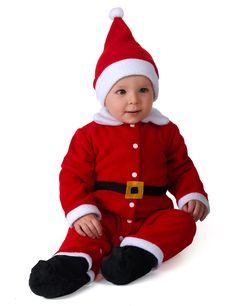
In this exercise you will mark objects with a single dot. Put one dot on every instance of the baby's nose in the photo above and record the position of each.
(133, 99)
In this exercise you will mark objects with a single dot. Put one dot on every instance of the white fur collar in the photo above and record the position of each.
(105, 118)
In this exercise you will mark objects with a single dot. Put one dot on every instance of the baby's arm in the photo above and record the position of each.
(197, 209)
(88, 225)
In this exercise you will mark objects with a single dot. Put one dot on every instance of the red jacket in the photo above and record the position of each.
(146, 152)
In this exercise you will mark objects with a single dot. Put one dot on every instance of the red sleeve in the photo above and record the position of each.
(77, 177)
(183, 178)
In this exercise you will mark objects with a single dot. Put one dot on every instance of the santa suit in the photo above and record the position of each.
(153, 153)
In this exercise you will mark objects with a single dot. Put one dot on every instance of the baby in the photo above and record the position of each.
(115, 176)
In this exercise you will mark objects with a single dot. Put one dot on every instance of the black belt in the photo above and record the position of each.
(132, 190)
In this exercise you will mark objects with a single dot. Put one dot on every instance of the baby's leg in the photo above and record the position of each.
(73, 266)
(167, 233)
(161, 236)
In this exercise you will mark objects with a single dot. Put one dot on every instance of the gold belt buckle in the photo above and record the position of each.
(134, 190)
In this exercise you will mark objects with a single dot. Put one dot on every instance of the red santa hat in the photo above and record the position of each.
(122, 56)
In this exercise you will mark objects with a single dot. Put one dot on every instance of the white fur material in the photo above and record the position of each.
(145, 245)
(156, 117)
(91, 275)
(105, 118)
(121, 69)
(81, 211)
(193, 196)
(116, 12)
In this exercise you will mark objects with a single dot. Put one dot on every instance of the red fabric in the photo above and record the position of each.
(171, 230)
(105, 153)
(120, 44)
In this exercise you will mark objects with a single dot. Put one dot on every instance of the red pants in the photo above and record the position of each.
(164, 234)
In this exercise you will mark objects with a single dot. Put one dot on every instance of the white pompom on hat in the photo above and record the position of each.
(116, 12)
(122, 56)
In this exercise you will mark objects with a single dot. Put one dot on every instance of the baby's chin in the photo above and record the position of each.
(133, 118)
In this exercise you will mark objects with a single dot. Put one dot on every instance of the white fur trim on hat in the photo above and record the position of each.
(121, 69)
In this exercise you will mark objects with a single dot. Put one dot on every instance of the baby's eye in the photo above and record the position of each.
(121, 92)
(143, 90)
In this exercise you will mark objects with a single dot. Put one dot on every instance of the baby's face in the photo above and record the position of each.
(130, 99)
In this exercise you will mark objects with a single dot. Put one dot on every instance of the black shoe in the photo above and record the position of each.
(58, 276)
(126, 264)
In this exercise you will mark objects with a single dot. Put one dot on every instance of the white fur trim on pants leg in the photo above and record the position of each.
(78, 254)
(145, 245)
(91, 274)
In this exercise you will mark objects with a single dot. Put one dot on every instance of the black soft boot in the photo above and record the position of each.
(58, 276)
(126, 264)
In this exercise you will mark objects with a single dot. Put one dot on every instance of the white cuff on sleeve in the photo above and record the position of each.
(81, 211)
(193, 196)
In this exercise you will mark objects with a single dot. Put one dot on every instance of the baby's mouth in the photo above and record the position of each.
(133, 112)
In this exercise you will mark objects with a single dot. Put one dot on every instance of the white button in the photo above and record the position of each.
(121, 238)
(129, 221)
(100, 251)
(132, 125)
(134, 174)
(135, 146)
(131, 204)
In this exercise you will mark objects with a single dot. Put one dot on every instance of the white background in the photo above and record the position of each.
(48, 52)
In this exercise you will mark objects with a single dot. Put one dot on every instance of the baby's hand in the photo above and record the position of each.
(197, 209)
(88, 225)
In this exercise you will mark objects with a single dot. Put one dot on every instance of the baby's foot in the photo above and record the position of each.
(58, 276)
(126, 264)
